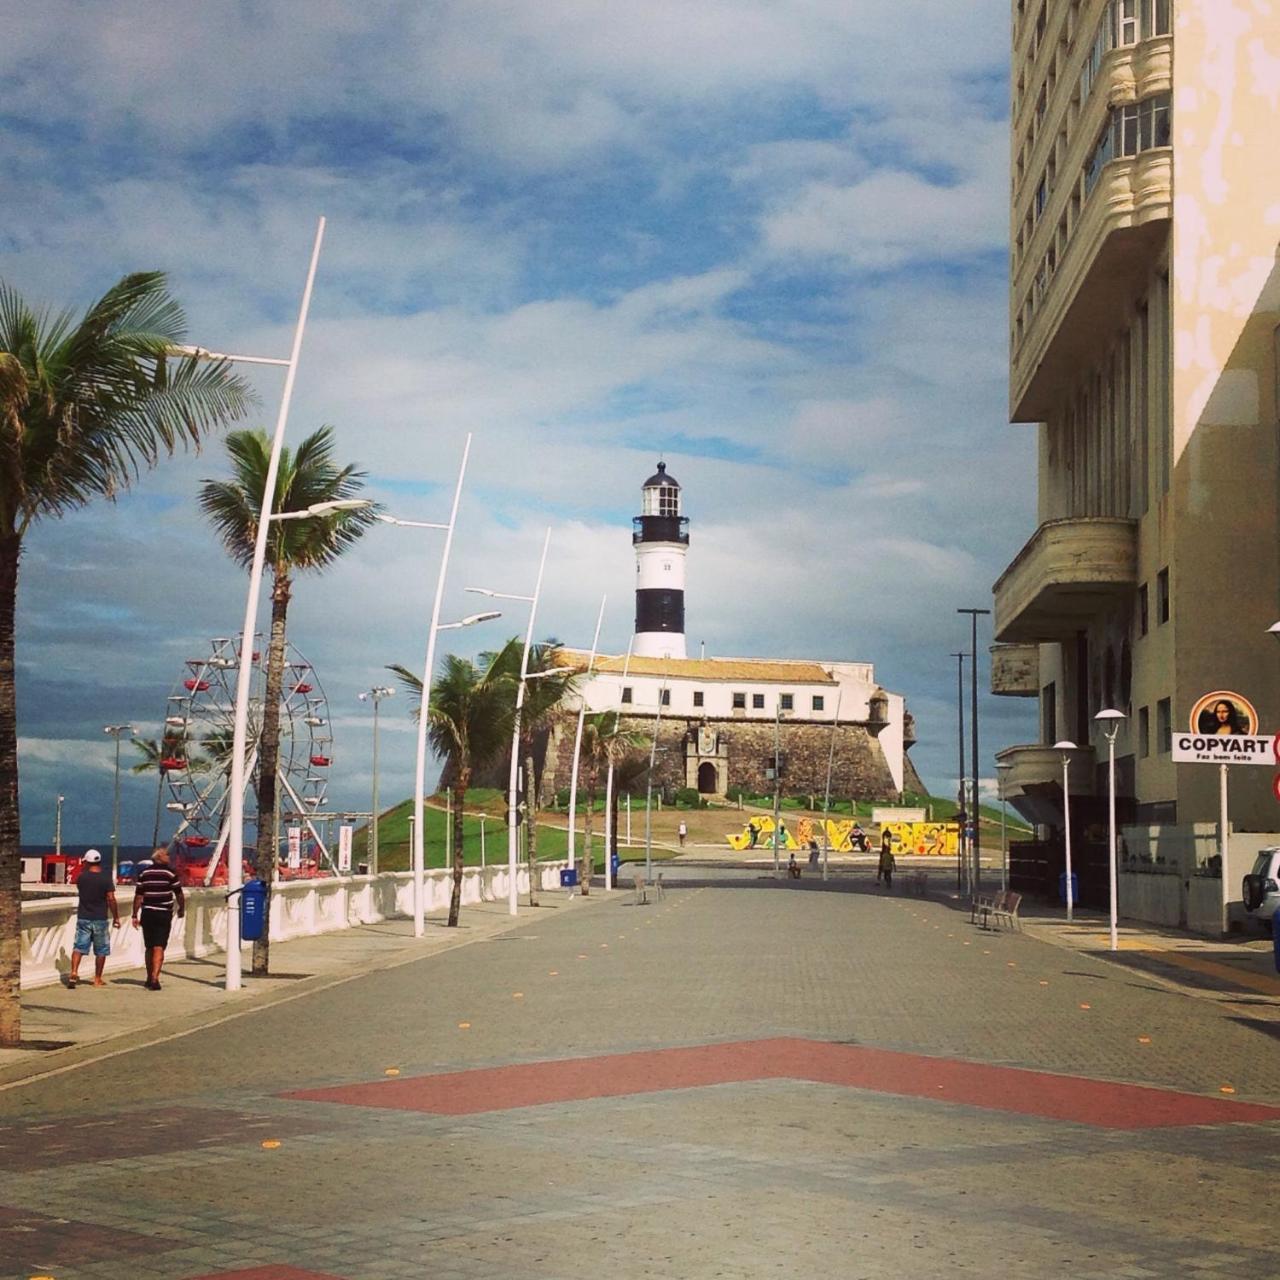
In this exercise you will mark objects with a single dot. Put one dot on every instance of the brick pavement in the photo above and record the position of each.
(749, 1178)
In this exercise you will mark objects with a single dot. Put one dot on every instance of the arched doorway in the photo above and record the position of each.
(707, 779)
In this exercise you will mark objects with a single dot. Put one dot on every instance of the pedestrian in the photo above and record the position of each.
(753, 831)
(682, 830)
(885, 869)
(157, 892)
(858, 840)
(97, 895)
(793, 867)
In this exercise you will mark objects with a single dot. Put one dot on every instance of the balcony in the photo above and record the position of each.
(1033, 784)
(1068, 573)
(1015, 670)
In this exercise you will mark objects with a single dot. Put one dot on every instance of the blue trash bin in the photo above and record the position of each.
(253, 910)
(614, 863)
(1075, 888)
(568, 877)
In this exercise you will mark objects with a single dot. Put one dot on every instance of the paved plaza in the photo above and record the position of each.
(743, 1078)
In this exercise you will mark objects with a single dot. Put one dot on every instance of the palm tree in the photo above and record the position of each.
(85, 406)
(603, 740)
(305, 478)
(543, 695)
(470, 720)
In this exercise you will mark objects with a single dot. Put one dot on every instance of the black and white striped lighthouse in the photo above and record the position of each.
(660, 535)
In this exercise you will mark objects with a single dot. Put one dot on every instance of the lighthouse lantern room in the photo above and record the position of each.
(660, 536)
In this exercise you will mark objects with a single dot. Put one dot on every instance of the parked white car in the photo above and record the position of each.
(1262, 886)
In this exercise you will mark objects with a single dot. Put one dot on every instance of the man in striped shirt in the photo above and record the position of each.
(156, 892)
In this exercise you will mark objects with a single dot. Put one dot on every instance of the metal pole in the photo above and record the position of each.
(1222, 838)
(115, 814)
(513, 835)
(628, 817)
(240, 731)
(1111, 815)
(424, 711)
(1066, 830)
(482, 842)
(57, 828)
(648, 798)
(610, 836)
(973, 683)
(962, 843)
(577, 740)
(448, 826)
(1004, 838)
(373, 822)
(826, 795)
(777, 782)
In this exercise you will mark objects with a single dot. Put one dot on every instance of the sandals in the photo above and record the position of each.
(72, 982)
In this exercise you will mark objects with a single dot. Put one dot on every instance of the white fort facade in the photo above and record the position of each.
(720, 720)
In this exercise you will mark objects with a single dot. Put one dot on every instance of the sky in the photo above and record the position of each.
(765, 240)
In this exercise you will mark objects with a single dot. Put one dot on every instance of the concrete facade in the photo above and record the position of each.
(1144, 331)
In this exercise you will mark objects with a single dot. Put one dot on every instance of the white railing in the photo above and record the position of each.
(299, 908)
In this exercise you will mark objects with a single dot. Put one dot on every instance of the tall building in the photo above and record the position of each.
(1144, 305)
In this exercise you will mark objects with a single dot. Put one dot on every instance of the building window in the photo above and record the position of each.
(1130, 129)
(1049, 713)
(666, 697)
(697, 697)
(739, 701)
(668, 501)
(757, 701)
(1144, 732)
(626, 693)
(1143, 620)
(1162, 596)
(819, 702)
(787, 701)
(1164, 726)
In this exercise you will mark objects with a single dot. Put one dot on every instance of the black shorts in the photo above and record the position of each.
(155, 927)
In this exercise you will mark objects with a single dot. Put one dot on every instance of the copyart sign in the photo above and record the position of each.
(1211, 748)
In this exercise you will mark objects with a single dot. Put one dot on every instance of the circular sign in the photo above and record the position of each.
(1275, 786)
(1223, 712)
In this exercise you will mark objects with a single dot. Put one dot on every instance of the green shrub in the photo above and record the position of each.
(688, 798)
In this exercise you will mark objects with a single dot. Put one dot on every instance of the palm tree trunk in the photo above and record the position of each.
(531, 827)
(264, 861)
(155, 830)
(10, 864)
(460, 785)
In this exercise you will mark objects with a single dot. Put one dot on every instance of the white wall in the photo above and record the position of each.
(299, 908)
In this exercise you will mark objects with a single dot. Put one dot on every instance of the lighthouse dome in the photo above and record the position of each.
(660, 479)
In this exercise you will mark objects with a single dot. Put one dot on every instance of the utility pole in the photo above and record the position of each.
(375, 695)
(960, 787)
(777, 782)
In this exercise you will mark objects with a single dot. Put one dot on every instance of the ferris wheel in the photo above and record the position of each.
(199, 726)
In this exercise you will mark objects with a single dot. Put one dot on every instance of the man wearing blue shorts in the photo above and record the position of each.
(97, 893)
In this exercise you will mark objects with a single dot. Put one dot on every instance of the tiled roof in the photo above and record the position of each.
(749, 670)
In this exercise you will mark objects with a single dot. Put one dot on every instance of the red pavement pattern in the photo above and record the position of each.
(1076, 1099)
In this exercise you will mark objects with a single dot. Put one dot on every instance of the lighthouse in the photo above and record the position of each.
(660, 535)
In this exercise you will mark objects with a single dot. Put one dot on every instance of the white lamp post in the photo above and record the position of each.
(240, 732)
(117, 731)
(577, 740)
(826, 795)
(375, 695)
(1110, 719)
(1065, 747)
(1002, 772)
(419, 785)
(609, 835)
(57, 828)
(648, 797)
(513, 903)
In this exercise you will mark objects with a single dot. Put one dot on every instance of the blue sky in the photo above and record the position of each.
(768, 240)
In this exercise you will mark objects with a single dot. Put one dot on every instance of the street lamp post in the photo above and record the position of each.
(610, 836)
(974, 614)
(826, 795)
(962, 841)
(1002, 772)
(648, 797)
(1066, 747)
(577, 739)
(375, 695)
(777, 783)
(57, 828)
(513, 836)
(1110, 720)
(117, 731)
(240, 730)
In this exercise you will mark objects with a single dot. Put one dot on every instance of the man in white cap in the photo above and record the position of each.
(97, 893)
